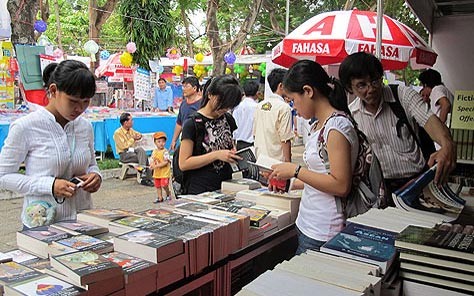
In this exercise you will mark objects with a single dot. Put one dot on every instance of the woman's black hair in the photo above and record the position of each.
(71, 77)
(310, 73)
(359, 65)
(227, 90)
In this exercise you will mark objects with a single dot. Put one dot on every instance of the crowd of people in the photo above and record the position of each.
(56, 143)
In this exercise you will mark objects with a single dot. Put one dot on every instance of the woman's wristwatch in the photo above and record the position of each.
(297, 171)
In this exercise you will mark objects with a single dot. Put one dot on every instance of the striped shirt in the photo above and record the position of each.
(48, 151)
(399, 157)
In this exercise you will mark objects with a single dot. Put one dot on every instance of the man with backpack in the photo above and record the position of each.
(378, 114)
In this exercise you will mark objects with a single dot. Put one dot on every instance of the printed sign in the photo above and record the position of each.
(463, 110)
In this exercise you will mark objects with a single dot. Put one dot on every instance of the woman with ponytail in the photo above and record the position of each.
(206, 144)
(315, 94)
(56, 144)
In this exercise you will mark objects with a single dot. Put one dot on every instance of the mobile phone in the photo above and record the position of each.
(77, 181)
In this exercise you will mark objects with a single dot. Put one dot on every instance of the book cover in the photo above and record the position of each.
(258, 217)
(84, 242)
(36, 240)
(44, 285)
(21, 256)
(133, 267)
(5, 257)
(80, 227)
(85, 267)
(164, 215)
(436, 241)
(363, 243)
(219, 195)
(139, 222)
(234, 185)
(247, 155)
(13, 272)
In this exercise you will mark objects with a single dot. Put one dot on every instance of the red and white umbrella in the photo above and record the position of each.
(114, 69)
(329, 37)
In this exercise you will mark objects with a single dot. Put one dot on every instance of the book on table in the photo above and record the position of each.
(80, 227)
(422, 195)
(438, 242)
(163, 215)
(437, 272)
(413, 288)
(85, 267)
(84, 242)
(36, 240)
(4, 257)
(102, 217)
(437, 261)
(134, 268)
(258, 217)
(363, 243)
(148, 245)
(455, 287)
(43, 284)
(130, 223)
(13, 272)
(234, 185)
(20, 256)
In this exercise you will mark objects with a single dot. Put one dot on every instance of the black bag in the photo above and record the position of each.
(423, 140)
(368, 185)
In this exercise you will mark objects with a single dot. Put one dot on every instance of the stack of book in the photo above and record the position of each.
(423, 196)
(314, 273)
(17, 279)
(364, 243)
(235, 185)
(436, 260)
(37, 240)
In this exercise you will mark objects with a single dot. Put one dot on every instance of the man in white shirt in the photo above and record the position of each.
(272, 123)
(244, 115)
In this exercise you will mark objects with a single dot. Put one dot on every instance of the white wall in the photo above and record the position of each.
(453, 41)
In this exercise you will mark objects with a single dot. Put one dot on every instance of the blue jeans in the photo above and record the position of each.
(307, 243)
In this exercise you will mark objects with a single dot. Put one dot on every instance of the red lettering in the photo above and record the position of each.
(324, 26)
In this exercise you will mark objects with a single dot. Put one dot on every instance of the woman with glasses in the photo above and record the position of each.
(324, 185)
(400, 157)
(206, 144)
(56, 144)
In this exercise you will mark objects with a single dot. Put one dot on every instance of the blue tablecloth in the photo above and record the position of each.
(104, 130)
(150, 124)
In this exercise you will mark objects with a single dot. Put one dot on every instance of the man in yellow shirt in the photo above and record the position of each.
(125, 138)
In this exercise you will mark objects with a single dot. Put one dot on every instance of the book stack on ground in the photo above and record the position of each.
(89, 270)
(437, 258)
(423, 196)
(289, 201)
(364, 243)
(17, 279)
(315, 273)
(140, 275)
(37, 240)
(395, 219)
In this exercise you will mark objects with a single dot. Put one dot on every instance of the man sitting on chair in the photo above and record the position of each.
(125, 138)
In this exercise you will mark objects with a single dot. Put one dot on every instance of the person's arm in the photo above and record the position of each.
(445, 108)
(188, 162)
(446, 156)
(286, 148)
(92, 179)
(177, 131)
(338, 182)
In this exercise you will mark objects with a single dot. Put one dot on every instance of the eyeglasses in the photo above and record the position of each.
(362, 86)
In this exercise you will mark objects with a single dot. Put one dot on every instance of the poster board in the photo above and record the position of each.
(463, 110)
(7, 76)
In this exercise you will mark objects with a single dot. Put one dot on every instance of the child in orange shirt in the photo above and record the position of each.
(161, 166)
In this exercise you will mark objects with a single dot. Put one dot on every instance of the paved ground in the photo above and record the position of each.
(114, 193)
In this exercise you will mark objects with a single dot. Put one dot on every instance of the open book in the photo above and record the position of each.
(421, 194)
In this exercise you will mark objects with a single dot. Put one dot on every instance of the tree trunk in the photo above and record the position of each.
(218, 48)
(189, 41)
(23, 16)
(58, 25)
(271, 9)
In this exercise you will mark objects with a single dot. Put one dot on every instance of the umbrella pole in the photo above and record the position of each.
(378, 40)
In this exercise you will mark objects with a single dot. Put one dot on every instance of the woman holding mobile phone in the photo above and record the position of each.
(56, 144)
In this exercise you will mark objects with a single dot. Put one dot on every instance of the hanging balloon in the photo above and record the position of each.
(131, 47)
(173, 53)
(43, 40)
(58, 53)
(230, 58)
(177, 70)
(126, 59)
(104, 55)
(228, 71)
(199, 57)
(262, 67)
(40, 26)
(91, 47)
(238, 69)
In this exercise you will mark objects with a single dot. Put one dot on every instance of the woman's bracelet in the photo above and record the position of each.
(297, 171)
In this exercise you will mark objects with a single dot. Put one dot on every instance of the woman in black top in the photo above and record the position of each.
(206, 145)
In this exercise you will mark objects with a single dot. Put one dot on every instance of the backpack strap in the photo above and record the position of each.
(323, 154)
(399, 111)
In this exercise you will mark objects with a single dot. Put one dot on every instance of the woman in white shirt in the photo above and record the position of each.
(315, 94)
(56, 144)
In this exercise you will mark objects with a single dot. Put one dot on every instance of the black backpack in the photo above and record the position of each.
(423, 140)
